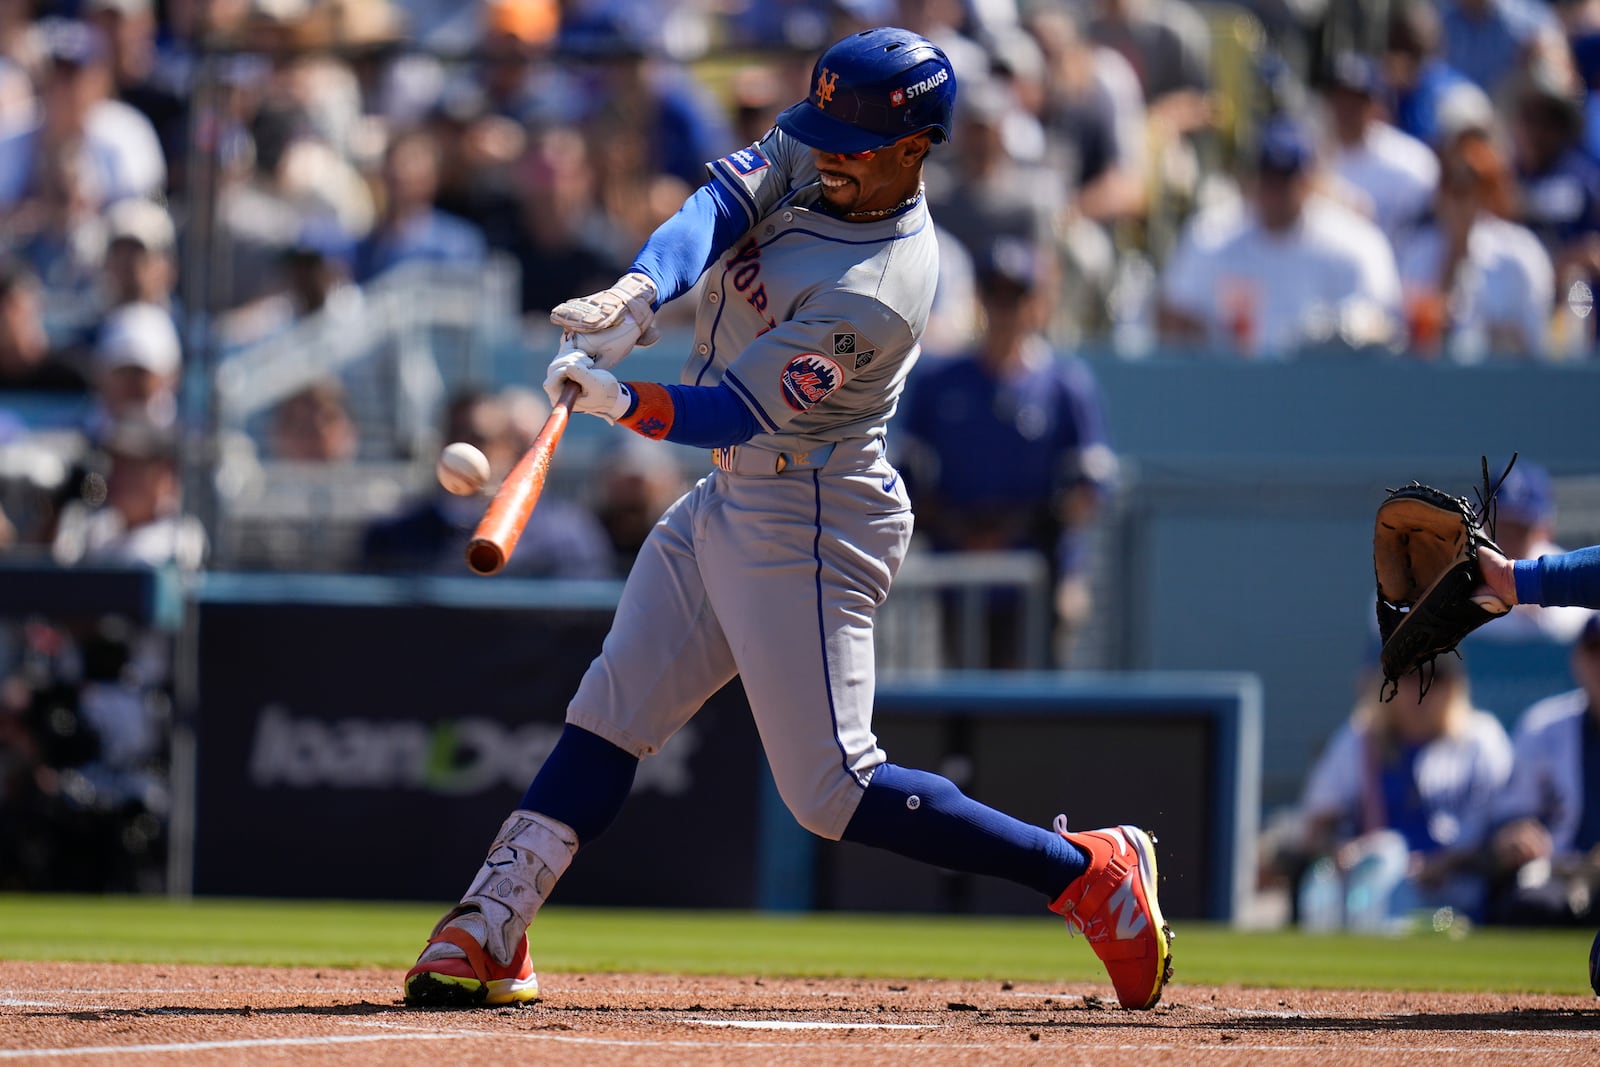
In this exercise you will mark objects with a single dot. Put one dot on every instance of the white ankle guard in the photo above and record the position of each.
(522, 866)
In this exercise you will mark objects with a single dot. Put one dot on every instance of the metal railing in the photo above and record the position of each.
(912, 634)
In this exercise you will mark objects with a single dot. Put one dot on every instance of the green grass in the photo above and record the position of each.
(344, 934)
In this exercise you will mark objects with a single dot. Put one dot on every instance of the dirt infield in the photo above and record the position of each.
(195, 1016)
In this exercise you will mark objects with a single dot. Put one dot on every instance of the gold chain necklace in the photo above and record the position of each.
(879, 213)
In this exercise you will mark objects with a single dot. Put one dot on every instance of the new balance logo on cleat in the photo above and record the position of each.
(1130, 917)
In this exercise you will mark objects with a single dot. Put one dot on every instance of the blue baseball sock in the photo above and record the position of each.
(925, 817)
(583, 783)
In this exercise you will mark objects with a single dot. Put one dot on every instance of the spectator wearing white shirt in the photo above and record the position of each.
(1546, 846)
(118, 145)
(1288, 270)
(138, 521)
(1394, 173)
(1398, 806)
(1476, 284)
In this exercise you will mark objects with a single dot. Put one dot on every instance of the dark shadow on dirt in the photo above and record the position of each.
(1526, 1020)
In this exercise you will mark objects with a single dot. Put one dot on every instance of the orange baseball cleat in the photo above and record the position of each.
(1113, 904)
(479, 980)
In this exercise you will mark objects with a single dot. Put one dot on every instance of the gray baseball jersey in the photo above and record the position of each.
(773, 566)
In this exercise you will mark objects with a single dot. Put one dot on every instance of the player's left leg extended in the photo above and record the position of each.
(665, 654)
(805, 587)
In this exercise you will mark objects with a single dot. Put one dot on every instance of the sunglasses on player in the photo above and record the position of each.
(858, 157)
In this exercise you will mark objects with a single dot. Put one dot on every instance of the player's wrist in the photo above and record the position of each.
(624, 403)
(639, 286)
(1527, 581)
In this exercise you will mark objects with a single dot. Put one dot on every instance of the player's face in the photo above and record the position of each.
(880, 180)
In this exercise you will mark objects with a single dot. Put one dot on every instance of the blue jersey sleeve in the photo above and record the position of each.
(705, 416)
(681, 249)
(1568, 579)
(710, 416)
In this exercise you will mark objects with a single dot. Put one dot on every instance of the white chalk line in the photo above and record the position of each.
(125, 991)
(213, 1046)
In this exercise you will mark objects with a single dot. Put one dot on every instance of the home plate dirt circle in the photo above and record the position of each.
(61, 1013)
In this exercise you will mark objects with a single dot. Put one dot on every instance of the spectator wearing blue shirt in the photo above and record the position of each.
(1006, 447)
(1416, 76)
(642, 99)
(1560, 182)
(1586, 61)
(411, 228)
(1492, 40)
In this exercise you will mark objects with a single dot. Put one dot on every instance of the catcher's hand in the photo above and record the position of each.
(1431, 592)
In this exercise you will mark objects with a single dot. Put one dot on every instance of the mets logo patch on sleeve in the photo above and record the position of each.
(808, 380)
(746, 161)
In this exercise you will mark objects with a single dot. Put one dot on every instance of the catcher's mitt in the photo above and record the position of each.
(1430, 589)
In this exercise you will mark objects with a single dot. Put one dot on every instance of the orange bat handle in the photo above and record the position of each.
(501, 526)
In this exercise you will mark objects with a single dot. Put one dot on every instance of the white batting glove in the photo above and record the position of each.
(601, 394)
(611, 322)
(569, 355)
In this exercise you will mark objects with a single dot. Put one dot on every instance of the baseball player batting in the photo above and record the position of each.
(820, 261)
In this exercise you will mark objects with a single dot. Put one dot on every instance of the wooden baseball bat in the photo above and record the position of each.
(502, 524)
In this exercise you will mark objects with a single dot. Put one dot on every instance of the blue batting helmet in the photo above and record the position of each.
(873, 88)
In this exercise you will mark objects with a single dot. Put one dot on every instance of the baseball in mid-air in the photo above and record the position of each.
(462, 469)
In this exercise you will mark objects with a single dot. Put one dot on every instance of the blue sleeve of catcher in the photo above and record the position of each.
(681, 249)
(1568, 579)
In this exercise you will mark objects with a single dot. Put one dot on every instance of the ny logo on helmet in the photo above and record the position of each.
(826, 82)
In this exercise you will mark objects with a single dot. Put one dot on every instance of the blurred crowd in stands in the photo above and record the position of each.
(183, 182)
(193, 189)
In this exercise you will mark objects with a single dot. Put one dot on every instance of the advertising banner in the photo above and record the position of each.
(372, 751)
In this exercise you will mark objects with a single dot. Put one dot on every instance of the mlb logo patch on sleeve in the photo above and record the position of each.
(808, 380)
(746, 161)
